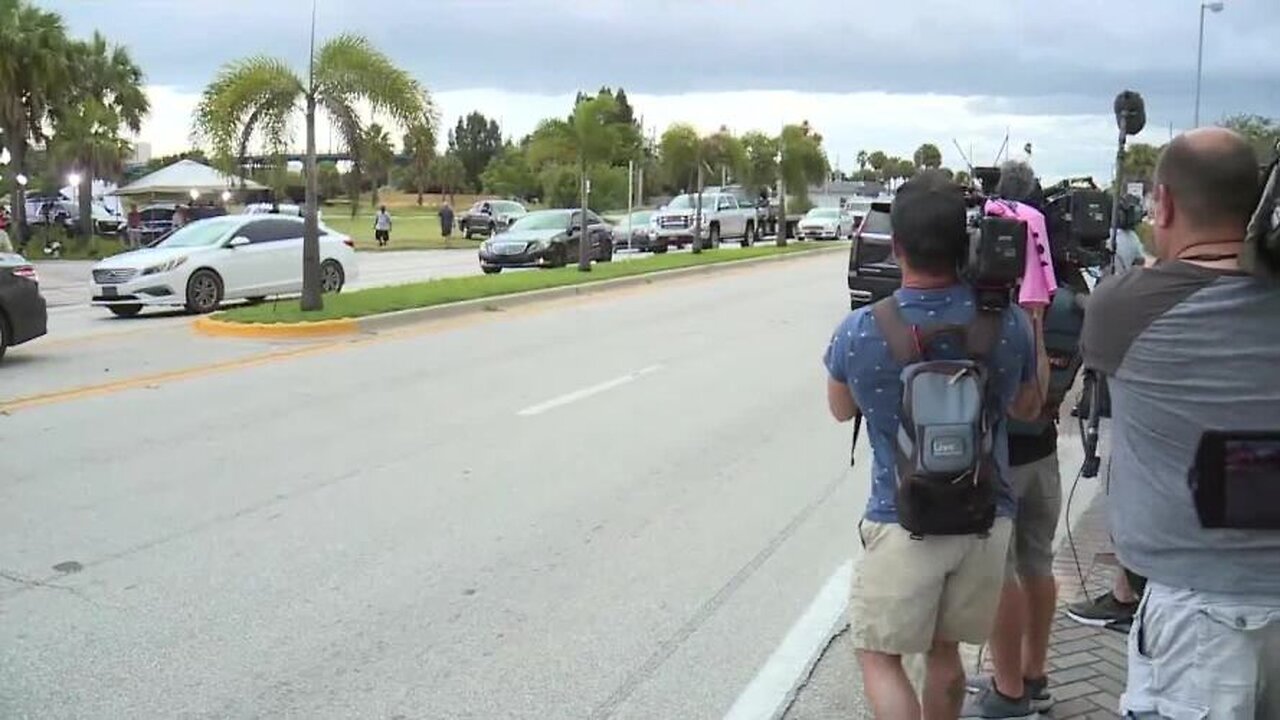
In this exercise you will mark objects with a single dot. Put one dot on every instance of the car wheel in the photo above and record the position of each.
(606, 251)
(713, 238)
(747, 235)
(558, 257)
(331, 277)
(490, 270)
(660, 249)
(204, 291)
(4, 335)
(124, 310)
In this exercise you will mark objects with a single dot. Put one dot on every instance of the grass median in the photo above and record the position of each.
(373, 301)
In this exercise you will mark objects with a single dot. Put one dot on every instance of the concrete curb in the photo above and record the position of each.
(401, 318)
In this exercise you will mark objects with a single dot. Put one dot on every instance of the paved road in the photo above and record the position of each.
(592, 508)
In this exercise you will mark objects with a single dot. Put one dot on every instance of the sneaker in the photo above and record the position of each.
(1103, 611)
(1037, 690)
(988, 704)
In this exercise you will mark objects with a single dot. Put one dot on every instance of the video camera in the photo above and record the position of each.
(1077, 214)
(996, 255)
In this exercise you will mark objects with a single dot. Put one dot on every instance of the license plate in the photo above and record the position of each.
(109, 292)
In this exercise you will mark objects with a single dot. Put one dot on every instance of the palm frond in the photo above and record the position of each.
(257, 94)
(349, 67)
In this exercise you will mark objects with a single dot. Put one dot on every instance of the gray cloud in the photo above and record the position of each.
(1029, 58)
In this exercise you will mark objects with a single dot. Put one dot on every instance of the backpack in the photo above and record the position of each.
(944, 450)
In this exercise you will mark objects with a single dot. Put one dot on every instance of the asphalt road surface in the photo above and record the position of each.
(618, 506)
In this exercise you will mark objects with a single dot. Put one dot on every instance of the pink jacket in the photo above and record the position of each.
(1038, 279)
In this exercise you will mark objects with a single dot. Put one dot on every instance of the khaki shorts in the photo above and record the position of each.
(1037, 487)
(908, 592)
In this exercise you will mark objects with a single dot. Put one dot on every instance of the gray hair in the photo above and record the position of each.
(1017, 181)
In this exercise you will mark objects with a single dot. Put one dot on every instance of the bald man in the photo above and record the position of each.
(1188, 345)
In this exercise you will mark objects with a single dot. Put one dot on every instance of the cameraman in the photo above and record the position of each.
(1020, 639)
(1190, 345)
(914, 593)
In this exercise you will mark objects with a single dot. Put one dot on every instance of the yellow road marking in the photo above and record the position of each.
(335, 344)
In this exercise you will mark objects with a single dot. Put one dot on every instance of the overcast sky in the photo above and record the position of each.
(867, 75)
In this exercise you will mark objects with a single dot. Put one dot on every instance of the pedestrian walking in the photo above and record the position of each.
(382, 226)
(446, 221)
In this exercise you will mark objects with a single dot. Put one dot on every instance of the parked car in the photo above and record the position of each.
(546, 238)
(873, 271)
(23, 316)
(266, 208)
(826, 223)
(632, 231)
(722, 218)
(206, 262)
(490, 217)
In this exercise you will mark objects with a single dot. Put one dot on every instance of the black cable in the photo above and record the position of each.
(1075, 555)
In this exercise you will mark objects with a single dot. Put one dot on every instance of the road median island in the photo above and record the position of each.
(386, 307)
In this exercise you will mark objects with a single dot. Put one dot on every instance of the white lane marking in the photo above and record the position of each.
(777, 678)
(587, 392)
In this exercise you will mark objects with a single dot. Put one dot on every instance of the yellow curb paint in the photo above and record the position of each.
(276, 331)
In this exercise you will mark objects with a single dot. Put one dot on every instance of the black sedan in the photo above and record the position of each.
(22, 310)
(546, 238)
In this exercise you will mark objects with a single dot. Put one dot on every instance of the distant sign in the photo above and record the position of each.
(1136, 190)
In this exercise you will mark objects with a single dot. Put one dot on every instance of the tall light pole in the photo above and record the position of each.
(1213, 7)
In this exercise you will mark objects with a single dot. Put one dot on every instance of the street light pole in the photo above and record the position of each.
(1213, 7)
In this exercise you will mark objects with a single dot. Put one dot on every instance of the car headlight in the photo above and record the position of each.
(164, 267)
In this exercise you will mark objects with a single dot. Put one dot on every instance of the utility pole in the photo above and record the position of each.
(782, 197)
(1217, 8)
(631, 196)
(584, 237)
(697, 210)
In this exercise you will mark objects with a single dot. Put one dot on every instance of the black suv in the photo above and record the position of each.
(873, 271)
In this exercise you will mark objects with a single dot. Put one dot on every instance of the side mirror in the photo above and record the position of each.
(238, 241)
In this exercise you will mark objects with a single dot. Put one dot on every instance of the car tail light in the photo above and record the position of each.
(26, 271)
(349, 243)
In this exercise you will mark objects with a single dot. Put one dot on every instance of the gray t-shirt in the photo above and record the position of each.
(1186, 349)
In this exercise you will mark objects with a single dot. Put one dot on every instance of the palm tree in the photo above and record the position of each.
(261, 95)
(105, 94)
(33, 67)
(420, 146)
(378, 156)
(863, 156)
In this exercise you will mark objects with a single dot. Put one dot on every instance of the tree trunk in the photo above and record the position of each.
(782, 212)
(584, 237)
(18, 156)
(311, 299)
(85, 198)
(419, 193)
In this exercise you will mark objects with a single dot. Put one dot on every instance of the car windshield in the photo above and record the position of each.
(688, 202)
(824, 213)
(545, 220)
(877, 222)
(201, 233)
(637, 218)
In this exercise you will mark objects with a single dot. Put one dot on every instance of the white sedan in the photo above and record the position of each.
(826, 223)
(208, 261)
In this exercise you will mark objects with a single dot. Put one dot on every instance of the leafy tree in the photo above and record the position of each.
(678, 149)
(948, 172)
(475, 141)
(878, 160)
(329, 181)
(378, 156)
(550, 143)
(449, 174)
(509, 175)
(420, 146)
(862, 159)
(724, 155)
(596, 140)
(34, 61)
(866, 175)
(104, 95)
(1140, 162)
(260, 95)
(803, 161)
(761, 170)
(962, 178)
(927, 156)
(1262, 133)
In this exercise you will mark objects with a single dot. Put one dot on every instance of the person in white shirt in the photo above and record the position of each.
(382, 227)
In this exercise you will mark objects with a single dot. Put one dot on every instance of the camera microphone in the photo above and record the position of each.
(1131, 112)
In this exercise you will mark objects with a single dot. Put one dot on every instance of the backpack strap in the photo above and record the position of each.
(903, 341)
(982, 333)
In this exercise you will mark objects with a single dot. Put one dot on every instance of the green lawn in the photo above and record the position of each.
(73, 248)
(409, 230)
(439, 292)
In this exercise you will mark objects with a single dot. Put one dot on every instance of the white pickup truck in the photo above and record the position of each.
(722, 219)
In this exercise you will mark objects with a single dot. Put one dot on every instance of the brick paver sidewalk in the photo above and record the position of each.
(1086, 665)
